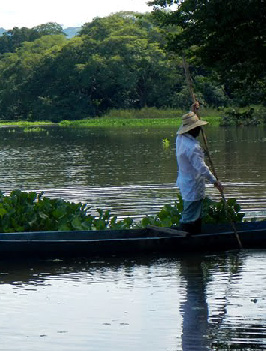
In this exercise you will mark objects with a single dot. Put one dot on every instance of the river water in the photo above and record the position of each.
(199, 302)
(129, 171)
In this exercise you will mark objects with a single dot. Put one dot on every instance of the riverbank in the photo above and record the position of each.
(26, 124)
(132, 122)
(153, 117)
(146, 117)
(112, 122)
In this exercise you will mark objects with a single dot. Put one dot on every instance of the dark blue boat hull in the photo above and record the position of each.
(130, 242)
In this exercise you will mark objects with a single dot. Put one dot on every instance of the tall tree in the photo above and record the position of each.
(13, 38)
(49, 28)
(20, 85)
(227, 36)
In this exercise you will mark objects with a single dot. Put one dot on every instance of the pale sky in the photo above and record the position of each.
(30, 13)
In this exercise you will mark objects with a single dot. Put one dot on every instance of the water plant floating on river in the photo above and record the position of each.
(166, 143)
(31, 211)
(34, 130)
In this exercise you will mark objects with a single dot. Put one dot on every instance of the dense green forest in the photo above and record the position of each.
(228, 38)
(123, 61)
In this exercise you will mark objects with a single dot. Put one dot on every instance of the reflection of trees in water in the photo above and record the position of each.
(200, 321)
(234, 332)
(38, 272)
(221, 275)
(210, 284)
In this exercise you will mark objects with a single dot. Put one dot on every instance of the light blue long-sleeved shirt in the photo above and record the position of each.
(192, 169)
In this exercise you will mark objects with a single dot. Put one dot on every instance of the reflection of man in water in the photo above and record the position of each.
(192, 172)
(194, 309)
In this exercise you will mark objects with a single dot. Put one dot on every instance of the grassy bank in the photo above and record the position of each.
(25, 124)
(153, 117)
(147, 117)
(131, 122)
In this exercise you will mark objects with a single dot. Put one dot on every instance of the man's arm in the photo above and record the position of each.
(197, 161)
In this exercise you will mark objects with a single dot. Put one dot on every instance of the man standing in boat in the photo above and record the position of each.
(192, 172)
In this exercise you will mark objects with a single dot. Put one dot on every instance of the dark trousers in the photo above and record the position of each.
(192, 227)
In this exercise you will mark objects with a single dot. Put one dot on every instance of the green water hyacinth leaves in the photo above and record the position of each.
(213, 212)
(105, 220)
(30, 211)
(219, 212)
(166, 143)
(23, 211)
(169, 215)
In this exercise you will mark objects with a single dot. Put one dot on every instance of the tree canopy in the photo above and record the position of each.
(118, 61)
(226, 36)
(13, 38)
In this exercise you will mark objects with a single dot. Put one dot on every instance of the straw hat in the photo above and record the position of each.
(190, 121)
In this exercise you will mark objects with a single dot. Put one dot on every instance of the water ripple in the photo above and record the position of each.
(141, 199)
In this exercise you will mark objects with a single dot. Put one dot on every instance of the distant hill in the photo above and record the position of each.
(69, 31)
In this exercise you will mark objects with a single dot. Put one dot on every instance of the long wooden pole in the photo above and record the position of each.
(206, 148)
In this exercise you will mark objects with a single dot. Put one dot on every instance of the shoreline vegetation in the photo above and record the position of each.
(153, 117)
(127, 60)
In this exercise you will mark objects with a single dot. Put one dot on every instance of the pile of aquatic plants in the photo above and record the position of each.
(30, 211)
(222, 212)
(215, 212)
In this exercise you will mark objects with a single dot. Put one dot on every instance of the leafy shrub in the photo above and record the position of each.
(238, 118)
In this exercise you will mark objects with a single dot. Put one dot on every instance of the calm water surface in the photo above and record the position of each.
(153, 303)
(128, 170)
(208, 302)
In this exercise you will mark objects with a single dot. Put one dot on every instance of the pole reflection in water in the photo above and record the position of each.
(224, 303)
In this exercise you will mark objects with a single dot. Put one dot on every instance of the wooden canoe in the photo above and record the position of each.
(130, 242)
